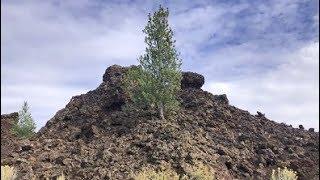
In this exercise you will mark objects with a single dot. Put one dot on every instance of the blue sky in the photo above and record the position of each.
(263, 54)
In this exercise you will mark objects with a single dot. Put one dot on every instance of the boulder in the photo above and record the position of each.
(191, 80)
(311, 130)
(259, 114)
(114, 72)
(301, 127)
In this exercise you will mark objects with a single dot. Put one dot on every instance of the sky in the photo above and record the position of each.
(263, 54)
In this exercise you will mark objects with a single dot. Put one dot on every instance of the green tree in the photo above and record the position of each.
(25, 126)
(157, 80)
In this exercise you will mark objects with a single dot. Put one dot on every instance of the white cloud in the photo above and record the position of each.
(41, 98)
(57, 50)
(46, 53)
(288, 93)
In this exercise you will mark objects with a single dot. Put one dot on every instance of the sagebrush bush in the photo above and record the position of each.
(283, 174)
(8, 173)
(61, 177)
(199, 172)
(148, 174)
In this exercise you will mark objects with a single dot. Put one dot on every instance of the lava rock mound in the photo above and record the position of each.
(96, 137)
(8, 139)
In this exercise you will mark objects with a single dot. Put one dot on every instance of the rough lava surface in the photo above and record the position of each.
(94, 137)
(8, 139)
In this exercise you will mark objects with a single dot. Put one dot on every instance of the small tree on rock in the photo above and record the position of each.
(25, 126)
(157, 80)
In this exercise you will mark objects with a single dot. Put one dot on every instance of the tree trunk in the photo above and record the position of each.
(161, 111)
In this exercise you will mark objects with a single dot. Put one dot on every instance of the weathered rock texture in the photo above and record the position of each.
(94, 138)
(191, 80)
(8, 139)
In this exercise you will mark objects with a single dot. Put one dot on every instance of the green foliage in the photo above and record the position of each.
(155, 83)
(283, 174)
(25, 127)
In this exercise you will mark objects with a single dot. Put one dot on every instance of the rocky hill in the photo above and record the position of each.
(8, 139)
(96, 137)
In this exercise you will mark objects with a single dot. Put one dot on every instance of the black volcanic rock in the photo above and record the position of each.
(260, 115)
(115, 73)
(94, 137)
(8, 139)
(191, 80)
(221, 99)
(301, 127)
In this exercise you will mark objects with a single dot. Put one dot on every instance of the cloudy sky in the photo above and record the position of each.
(263, 54)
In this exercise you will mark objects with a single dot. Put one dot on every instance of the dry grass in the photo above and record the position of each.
(8, 173)
(61, 177)
(200, 172)
(283, 174)
(148, 174)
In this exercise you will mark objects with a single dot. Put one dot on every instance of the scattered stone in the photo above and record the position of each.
(311, 130)
(301, 127)
(260, 115)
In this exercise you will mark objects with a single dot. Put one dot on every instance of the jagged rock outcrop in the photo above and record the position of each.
(95, 137)
(8, 139)
(191, 80)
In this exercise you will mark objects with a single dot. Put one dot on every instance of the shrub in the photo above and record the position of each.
(283, 174)
(61, 177)
(25, 127)
(199, 172)
(148, 174)
(8, 173)
(202, 172)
